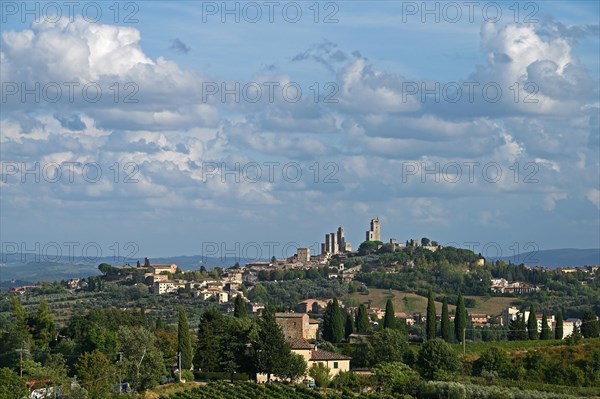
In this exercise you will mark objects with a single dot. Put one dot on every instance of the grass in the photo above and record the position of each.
(409, 302)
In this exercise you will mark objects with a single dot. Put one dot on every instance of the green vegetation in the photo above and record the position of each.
(184, 342)
(431, 326)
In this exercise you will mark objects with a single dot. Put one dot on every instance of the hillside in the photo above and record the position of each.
(412, 303)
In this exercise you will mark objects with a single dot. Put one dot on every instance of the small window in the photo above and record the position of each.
(335, 365)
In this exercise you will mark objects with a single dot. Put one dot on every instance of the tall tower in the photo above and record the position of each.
(374, 233)
(334, 243)
(341, 240)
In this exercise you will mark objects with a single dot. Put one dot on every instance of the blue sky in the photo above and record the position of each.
(372, 147)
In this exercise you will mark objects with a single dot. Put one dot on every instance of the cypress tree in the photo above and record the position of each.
(389, 320)
(517, 330)
(532, 330)
(558, 331)
(430, 328)
(337, 322)
(333, 322)
(271, 350)
(545, 329)
(239, 309)
(184, 342)
(349, 327)
(362, 319)
(460, 318)
(445, 321)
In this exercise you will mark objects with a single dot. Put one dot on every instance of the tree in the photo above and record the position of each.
(389, 320)
(208, 353)
(396, 378)
(184, 342)
(389, 345)
(333, 322)
(517, 329)
(239, 309)
(11, 385)
(349, 326)
(532, 327)
(320, 373)
(96, 373)
(295, 367)
(460, 318)
(431, 326)
(44, 328)
(446, 333)
(362, 319)
(104, 268)
(545, 334)
(142, 363)
(589, 325)
(425, 241)
(146, 263)
(558, 331)
(436, 356)
(270, 349)
(492, 360)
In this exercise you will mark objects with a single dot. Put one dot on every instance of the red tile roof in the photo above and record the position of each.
(298, 343)
(316, 355)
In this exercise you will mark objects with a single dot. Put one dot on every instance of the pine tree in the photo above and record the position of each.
(146, 262)
(431, 326)
(349, 327)
(184, 342)
(239, 309)
(389, 320)
(545, 328)
(532, 328)
(558, 331)
(445, 327)
(460, 318)
(362, 319)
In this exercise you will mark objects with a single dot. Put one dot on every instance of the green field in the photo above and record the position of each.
(409, 302)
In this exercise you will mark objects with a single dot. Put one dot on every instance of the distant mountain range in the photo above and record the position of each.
(30, 269)
(556, 257)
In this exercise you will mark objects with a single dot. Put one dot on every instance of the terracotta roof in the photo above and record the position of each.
(298, 343)
(325, 355)
(289, 314)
